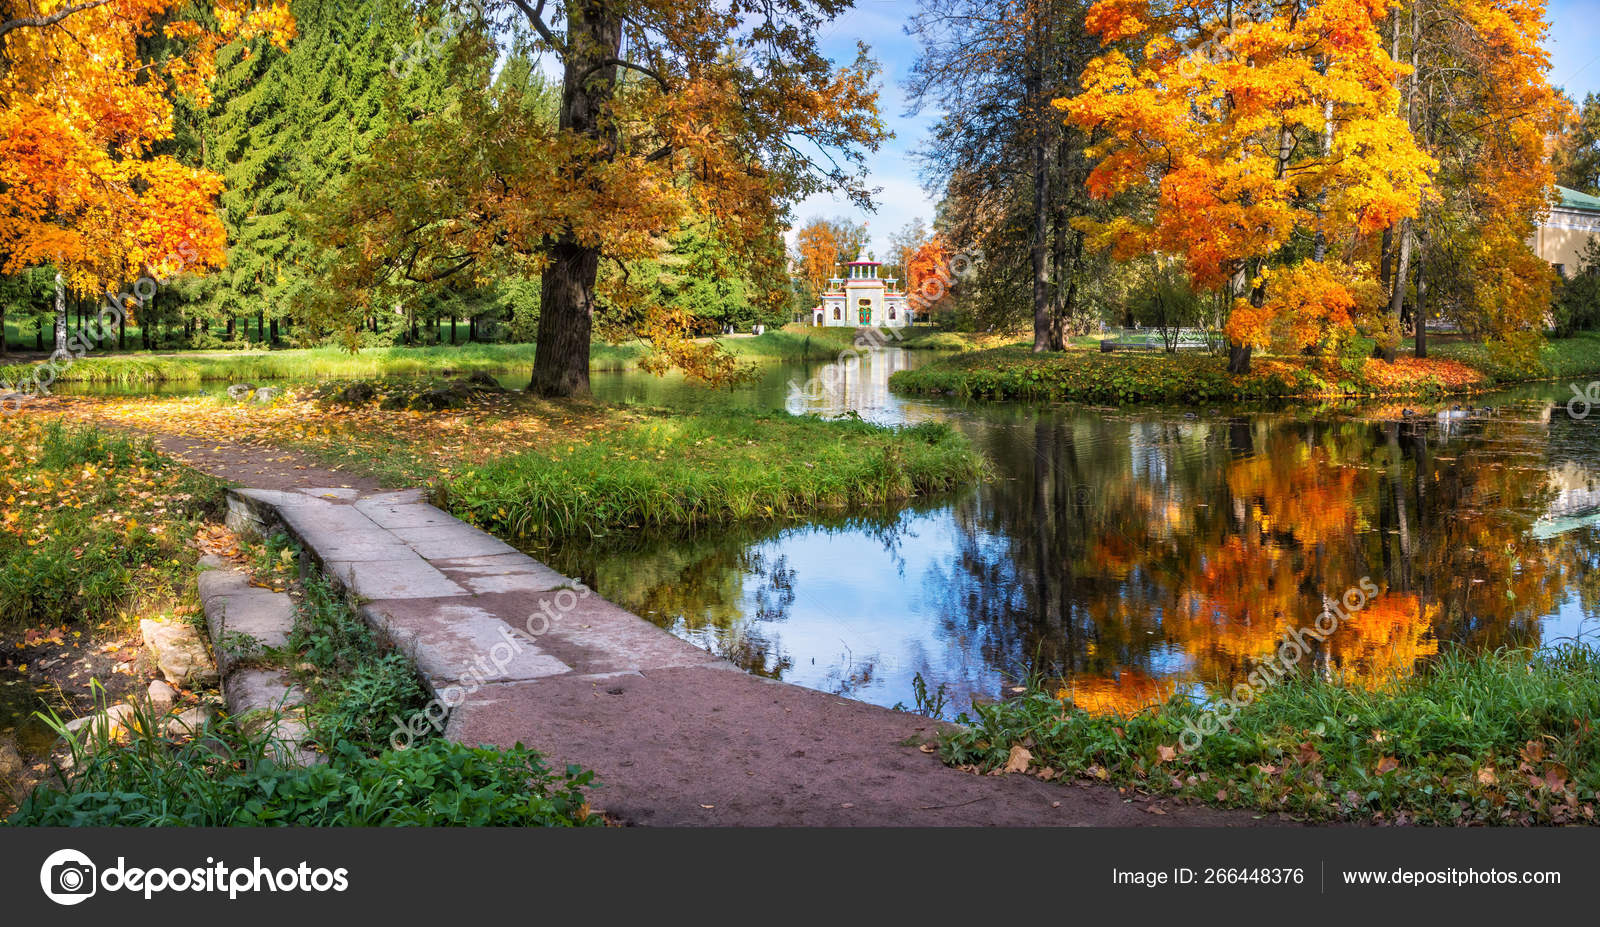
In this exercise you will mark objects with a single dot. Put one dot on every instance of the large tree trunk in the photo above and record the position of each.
(1421, 313)
(1239, 354)
(61, 316)
(566, 299)
(1397, 296)
(1039, 145)
(566, 318)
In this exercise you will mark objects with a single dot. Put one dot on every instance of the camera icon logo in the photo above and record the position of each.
(67, 877)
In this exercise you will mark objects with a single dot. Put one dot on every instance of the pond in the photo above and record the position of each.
(1132, 554)
(1128, 553)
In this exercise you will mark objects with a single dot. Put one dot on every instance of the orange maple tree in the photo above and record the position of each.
(1485, 109)
(1248, 124)
(818, 244)
(82, 113)
(926, 273)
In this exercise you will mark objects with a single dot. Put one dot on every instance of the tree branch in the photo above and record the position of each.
(41, 22)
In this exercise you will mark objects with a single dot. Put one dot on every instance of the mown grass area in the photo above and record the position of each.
(677, 470)
(337, 363)
(915, 338)
(1577, 356)
(1502, 738)
(1015, 372)
(96, 527)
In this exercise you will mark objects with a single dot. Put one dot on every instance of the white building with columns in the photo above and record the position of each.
(862, 299)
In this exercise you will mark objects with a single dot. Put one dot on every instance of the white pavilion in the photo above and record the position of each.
(862, 299)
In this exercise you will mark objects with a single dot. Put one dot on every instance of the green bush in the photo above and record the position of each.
(1576, 306)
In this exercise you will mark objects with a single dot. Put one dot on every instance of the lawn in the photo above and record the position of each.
(523, 466)
(1015, 372)
(334, 362)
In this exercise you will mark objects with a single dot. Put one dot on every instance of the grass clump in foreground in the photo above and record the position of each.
(358, 686)
(232, 773)
(1502, 738)
(225, 776)
(96, 525)
(681, 469)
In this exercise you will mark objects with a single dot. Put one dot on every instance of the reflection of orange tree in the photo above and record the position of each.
(1239, 558)
(1222, 565)
(1385, 639)
(1120, 694)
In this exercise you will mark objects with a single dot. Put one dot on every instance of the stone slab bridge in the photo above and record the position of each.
(519, 653)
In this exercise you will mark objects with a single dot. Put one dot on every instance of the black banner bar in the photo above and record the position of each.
(1063, 875)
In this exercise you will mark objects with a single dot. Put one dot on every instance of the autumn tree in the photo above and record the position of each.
(903, 244)
(670, 109)
(1480, 104)
(928, 275)
(83, 113)
(1011, 173)
(1252, 127)
(1576, 157)
(817, 247)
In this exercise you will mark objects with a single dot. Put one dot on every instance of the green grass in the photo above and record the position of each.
(1559, 358)
(1015, 372)
(96, 525)
(334, 362)
(227, 778)
(245, 366)
(1507, 738)
(677, 470)
(357, 685)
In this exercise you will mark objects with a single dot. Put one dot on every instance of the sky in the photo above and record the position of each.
(1574, 48)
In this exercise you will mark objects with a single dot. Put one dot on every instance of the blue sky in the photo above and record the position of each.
(1574, 64)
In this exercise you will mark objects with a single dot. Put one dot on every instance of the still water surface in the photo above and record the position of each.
(1133, 552)
(1137, 552)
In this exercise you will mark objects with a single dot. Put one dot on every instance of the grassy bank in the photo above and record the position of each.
(1014, 372)
(336, 363)
(1502, 738)
(96, 526)
(679, 470)
(228, 779)
(1559, 358)
(230, 775)
(523, 466)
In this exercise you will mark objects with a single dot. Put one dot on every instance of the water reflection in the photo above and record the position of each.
(1139, 552)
